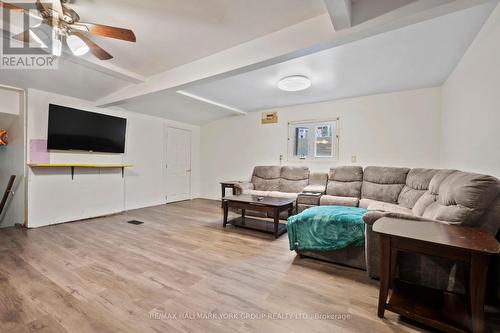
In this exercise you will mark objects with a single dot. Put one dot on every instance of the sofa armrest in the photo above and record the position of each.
(240, 187)
(373, 215)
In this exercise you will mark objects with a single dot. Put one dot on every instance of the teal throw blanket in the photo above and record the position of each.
(326, 228)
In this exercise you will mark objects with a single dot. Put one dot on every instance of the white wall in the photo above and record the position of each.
(12, 156)
(397, 129)
(53, 197)
(471, 106)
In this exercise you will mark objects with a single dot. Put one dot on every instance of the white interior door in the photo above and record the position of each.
(178, 164)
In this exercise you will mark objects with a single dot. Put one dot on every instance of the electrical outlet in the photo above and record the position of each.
(354, 159)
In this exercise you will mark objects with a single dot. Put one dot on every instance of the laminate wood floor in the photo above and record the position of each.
(177, 272)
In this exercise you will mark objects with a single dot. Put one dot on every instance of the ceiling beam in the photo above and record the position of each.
(302, 35)
(259, 54)
(340, 13)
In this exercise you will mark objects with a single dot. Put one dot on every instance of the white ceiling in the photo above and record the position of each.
(69, 79)
(420, 55)
(168, 104)
(169, 33)
(174, 32)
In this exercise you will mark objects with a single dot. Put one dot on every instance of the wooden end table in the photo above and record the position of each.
(227, 184)
(261, 204)
(442, 310)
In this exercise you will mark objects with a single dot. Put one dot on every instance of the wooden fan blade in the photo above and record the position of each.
(42, 8)
(11, 7)
(96, 50)
(105, 31)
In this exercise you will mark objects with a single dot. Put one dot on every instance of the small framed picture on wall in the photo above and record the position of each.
(269, 118)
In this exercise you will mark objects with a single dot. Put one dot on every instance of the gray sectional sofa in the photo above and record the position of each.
(441, 196)
(281, 182)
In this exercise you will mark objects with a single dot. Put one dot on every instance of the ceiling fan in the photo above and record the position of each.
(66, 25)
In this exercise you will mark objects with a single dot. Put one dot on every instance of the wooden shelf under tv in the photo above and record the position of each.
(80, 165)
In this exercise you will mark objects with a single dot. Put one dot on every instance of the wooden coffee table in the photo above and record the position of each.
(442, 310)
(261, 204)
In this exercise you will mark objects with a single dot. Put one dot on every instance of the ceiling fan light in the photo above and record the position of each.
(76, 45)
(294, 83)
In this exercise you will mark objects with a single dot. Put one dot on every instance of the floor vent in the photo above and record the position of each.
(135, 222)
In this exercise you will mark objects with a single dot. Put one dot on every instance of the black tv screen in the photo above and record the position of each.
(72, 129)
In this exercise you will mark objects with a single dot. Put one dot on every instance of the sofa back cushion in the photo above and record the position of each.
(345, 181)
(383, 183)
(293, 179)
(458, 197)
(266, 178)
(318, 178)
(417, 183)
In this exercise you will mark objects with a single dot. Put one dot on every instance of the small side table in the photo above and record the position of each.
(225, 185)
(308, 199)
(442, 310)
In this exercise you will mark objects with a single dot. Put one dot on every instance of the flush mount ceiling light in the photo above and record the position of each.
(294, 83)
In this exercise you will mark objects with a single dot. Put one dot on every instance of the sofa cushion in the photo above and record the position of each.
(344, 189)
(345, 181)
(240, 187)
(417, 183)
(458, 197)
(388, 207)
(330, 200)
(257, 193)
(266, 178)
(364, 203)
(383, 183)
(346, 173)
(293, 179)
(318, 178)
(422, 203)
(277, 194)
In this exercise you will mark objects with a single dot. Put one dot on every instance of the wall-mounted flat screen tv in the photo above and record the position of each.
(72, 129)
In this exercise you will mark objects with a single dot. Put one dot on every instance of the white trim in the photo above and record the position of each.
(312, 121)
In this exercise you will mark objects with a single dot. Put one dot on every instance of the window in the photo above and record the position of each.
(313, 140)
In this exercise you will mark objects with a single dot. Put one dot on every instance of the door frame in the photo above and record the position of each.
(165, 164)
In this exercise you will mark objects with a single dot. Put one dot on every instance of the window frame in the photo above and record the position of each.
(312, 125)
